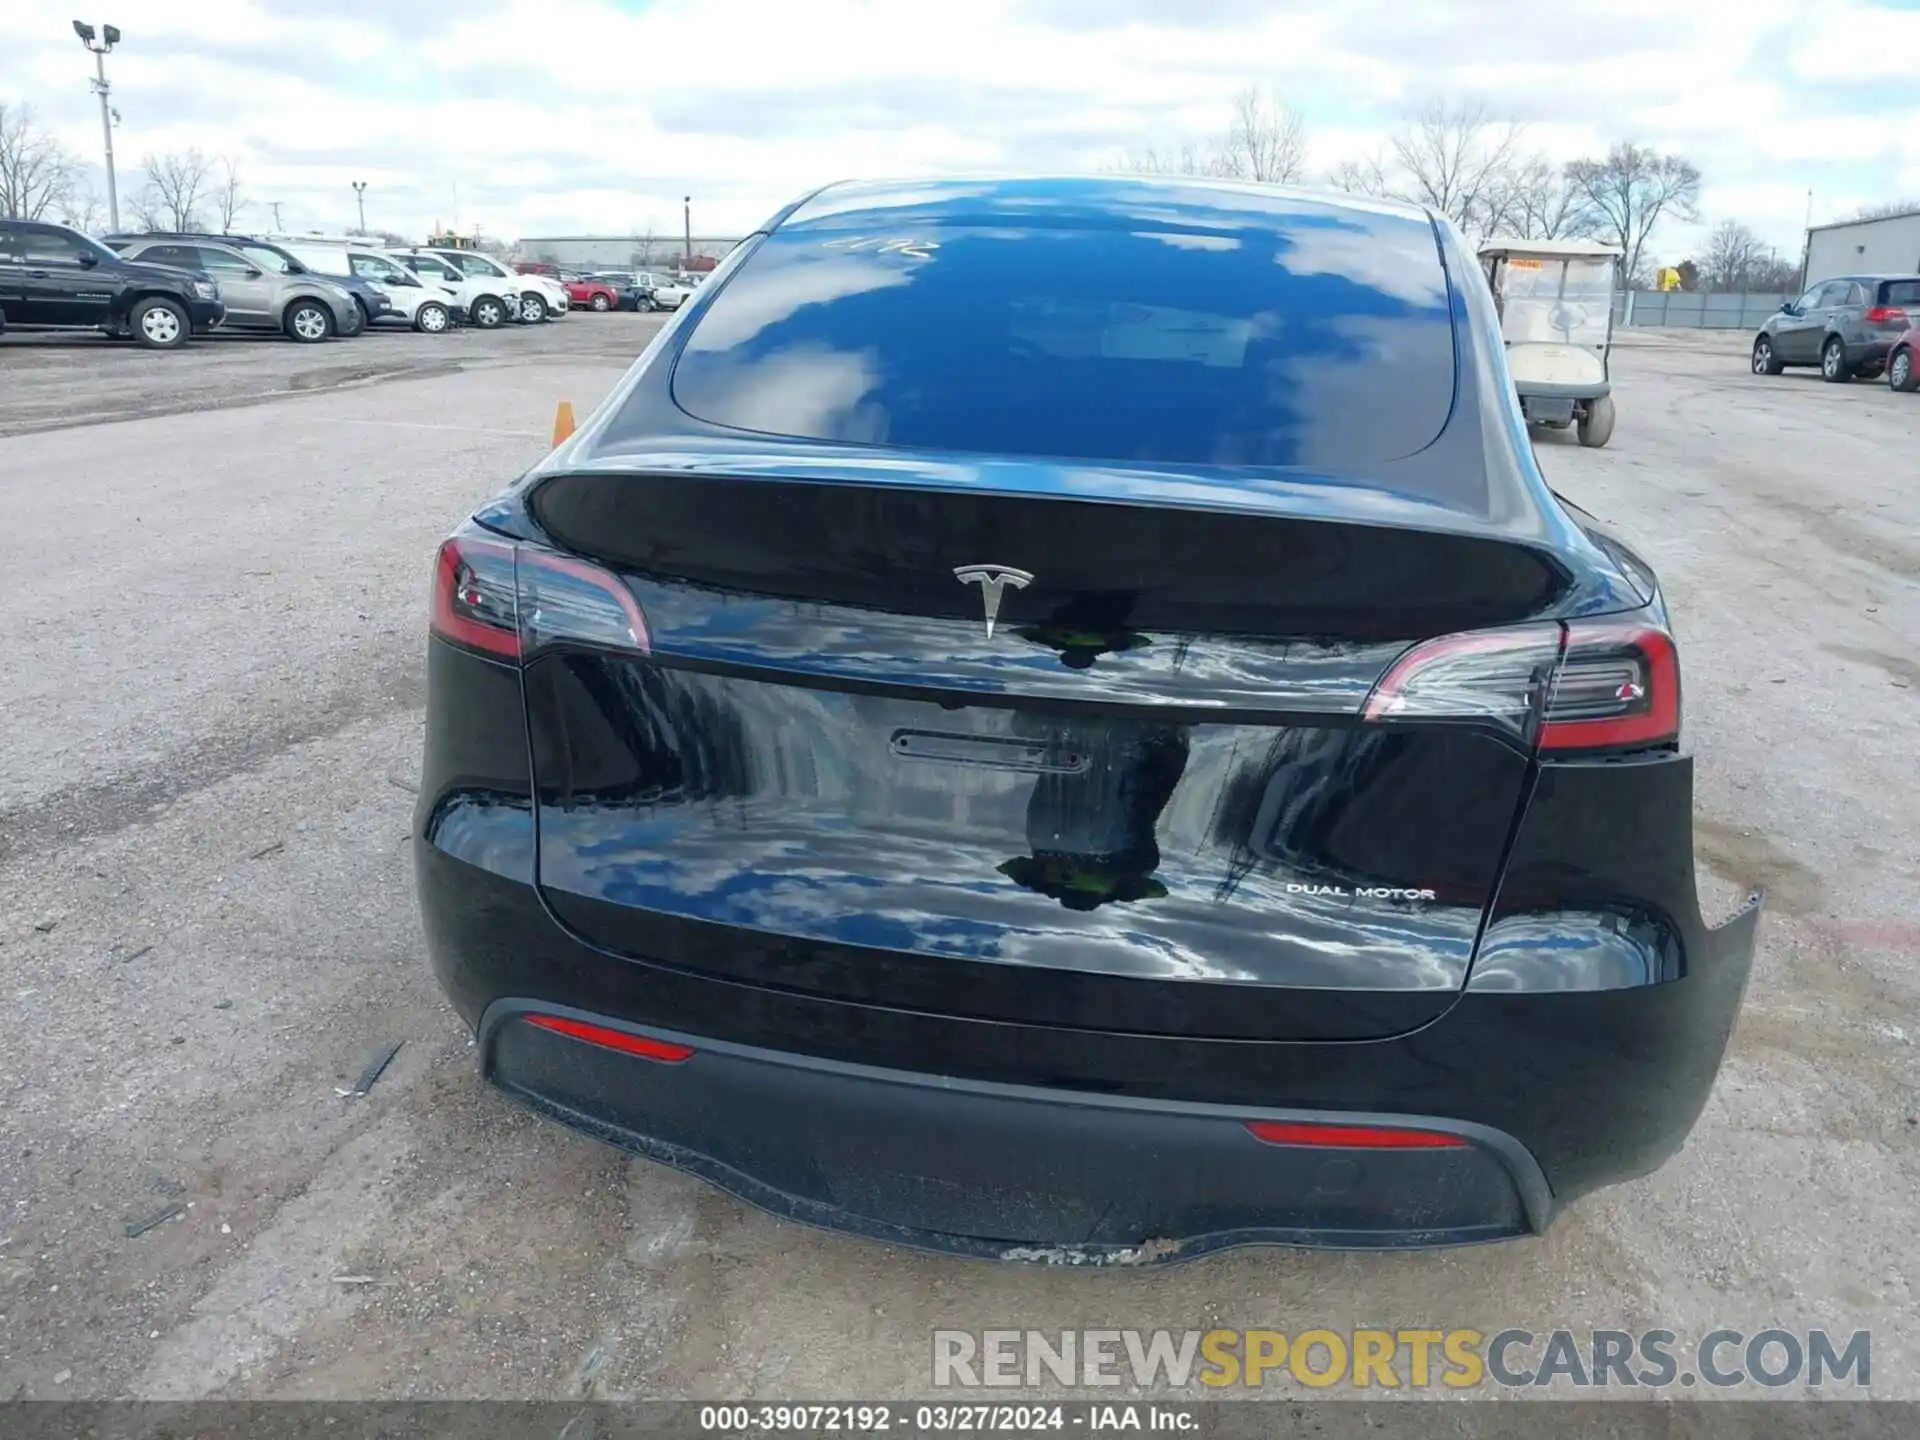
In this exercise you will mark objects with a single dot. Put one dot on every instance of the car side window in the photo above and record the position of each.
(177, 255)
(372, 268)
(47, 247)
(1834, 292)
(1856, 295)
(9, 244)
(220, 262)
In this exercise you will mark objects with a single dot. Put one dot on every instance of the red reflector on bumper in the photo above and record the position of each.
(1351, 1137)
(664, 1051)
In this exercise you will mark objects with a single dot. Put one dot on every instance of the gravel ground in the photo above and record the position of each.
(207, 926)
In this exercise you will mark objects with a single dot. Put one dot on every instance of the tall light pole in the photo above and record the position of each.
(686, 211)
(360, 194)
(107, 37)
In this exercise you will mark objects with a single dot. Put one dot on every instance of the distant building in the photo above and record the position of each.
(1886, 246)
(625, 252)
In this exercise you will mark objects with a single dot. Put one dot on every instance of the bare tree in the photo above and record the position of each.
(1267, 140)
(1734, 256)
(81, 208)
(1185, 158)
(36, 172)
(227, 200)
(177, 185)
(1367, 176)
(642, 256)
(1736, 260)
(1626, 194)
(1540, 203)
(1453, 159)
(1776, 277)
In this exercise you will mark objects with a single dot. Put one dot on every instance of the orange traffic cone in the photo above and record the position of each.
(563, 421)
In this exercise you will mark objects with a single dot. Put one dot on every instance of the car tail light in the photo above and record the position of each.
(1583, 686)
(645, 1046)
(510, 600)
(1351, 1137)
(1617, 687)
(473, 596)
(1497, 675)
(1886, 315)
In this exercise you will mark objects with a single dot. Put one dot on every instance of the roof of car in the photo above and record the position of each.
(1512, 246)
(1071, 201)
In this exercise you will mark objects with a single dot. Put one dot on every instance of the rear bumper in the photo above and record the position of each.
(947, 1133)
(1579, 1053)
(1571, 390)
(1003, 1171)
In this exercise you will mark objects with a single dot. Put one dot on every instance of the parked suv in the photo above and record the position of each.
(669, 292)
(306, 308)
(53, 276)
(1846, 326)
(269, 256)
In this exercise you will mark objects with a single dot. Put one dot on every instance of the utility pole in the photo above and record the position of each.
(360, 194)
(107, 37)
(1806, 254)
(687, 215)
(274, 205)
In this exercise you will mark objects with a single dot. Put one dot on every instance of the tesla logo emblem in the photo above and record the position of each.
(992, 580)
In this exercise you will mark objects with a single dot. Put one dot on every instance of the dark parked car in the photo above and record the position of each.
(995, 739)
(1847, 326)
(54, 276)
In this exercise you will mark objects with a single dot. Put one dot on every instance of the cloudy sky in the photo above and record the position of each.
(543, 117)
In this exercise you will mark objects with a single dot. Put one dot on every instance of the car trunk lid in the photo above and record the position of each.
(1147, 801)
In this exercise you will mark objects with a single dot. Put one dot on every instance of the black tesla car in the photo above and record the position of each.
(1060, 720)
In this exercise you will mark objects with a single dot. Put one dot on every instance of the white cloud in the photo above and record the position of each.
(556, 116)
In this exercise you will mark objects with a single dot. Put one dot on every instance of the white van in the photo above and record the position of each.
(491, 301)
(541, 298)
(427, 306)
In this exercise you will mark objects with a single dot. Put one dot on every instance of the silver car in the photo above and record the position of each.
(305, 308)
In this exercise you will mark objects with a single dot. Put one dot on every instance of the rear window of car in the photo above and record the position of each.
(1900, 292)
(1320, 339)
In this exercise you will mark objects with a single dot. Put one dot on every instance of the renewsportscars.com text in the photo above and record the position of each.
(1399, 1359)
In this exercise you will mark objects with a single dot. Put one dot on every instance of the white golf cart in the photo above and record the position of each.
(1555, 299)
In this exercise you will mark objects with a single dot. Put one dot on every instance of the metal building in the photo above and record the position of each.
(1887, 246)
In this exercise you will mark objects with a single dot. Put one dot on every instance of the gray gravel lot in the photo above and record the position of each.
(55, 379)
(213, 691)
